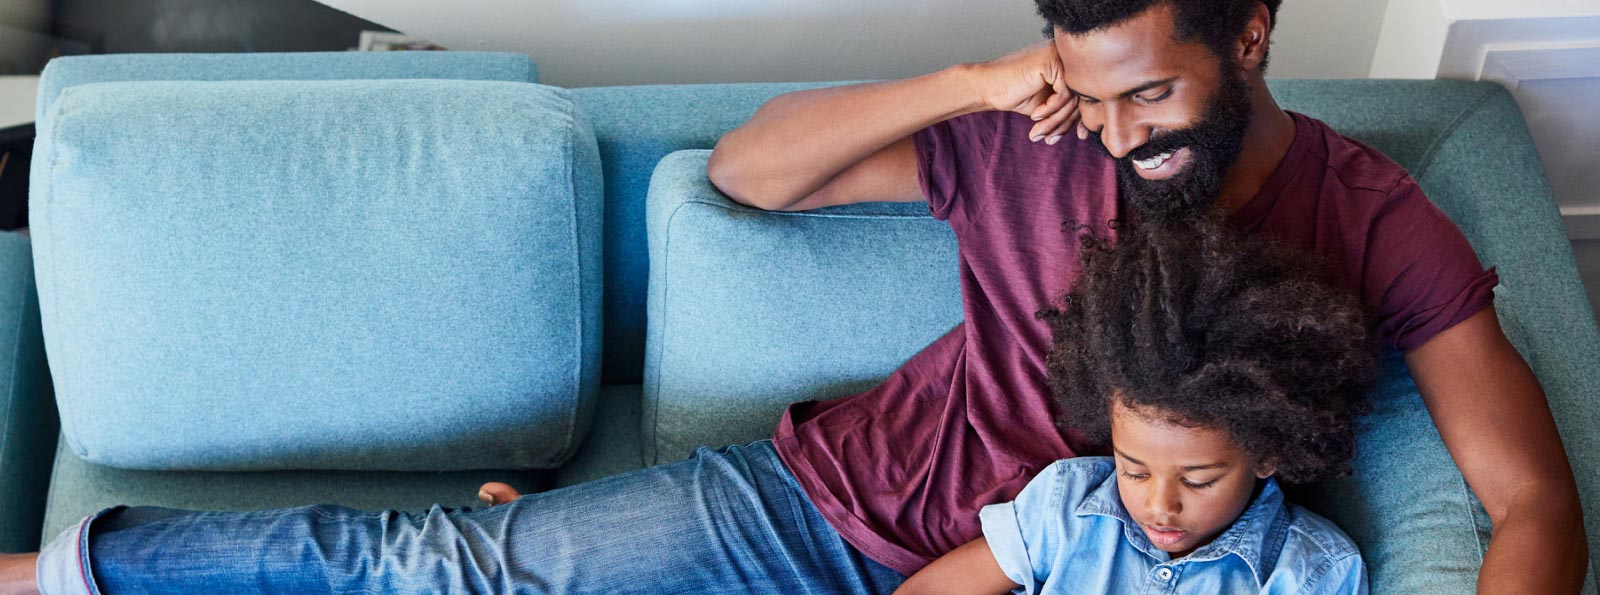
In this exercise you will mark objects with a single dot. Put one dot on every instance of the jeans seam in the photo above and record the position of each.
(83, 555)
(1471, 516)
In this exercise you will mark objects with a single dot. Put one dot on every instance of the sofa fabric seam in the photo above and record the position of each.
(572, 439)
(1426, 162)
(56, 109)
(661, 347)
(11, 381)
(801, 214)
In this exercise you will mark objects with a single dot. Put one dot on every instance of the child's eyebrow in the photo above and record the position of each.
(1125, 456)
(1217, 465)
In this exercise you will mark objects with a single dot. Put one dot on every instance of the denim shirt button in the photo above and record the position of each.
(1164, 573)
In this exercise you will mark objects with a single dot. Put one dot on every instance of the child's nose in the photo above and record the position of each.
(1164, 502)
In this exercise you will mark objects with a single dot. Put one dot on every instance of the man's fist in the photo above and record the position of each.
(1029, 82)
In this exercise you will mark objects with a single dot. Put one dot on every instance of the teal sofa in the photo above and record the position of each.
(270, 280)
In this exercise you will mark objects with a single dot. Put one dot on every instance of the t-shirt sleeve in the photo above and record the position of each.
(949, 158)
(1422, 277)
(1020, 532)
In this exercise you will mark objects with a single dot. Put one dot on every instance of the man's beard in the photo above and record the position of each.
(1214, 144)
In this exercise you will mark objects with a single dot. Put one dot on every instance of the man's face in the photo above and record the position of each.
(1172, 114)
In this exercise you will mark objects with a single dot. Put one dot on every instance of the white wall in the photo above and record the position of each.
(17, 99)
(609, 42)
(1327, 38)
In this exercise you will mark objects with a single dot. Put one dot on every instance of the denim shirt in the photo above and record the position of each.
(1067, 532)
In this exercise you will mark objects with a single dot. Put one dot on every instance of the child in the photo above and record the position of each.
(1210, 363)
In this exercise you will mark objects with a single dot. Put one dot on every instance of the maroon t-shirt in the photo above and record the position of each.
(901, 470)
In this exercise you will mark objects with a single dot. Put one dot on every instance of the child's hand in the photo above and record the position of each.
(494, 492)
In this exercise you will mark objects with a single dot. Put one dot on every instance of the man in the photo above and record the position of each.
(1173, 100)
(852, 494)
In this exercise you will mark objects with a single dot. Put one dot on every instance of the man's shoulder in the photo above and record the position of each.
(1353, 164)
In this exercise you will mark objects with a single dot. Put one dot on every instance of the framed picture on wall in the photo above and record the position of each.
(383, 41)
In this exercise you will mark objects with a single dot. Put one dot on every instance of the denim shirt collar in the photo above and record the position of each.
(1248, 537)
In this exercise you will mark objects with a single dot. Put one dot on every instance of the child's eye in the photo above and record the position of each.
(1136, 476)
(1200, 486)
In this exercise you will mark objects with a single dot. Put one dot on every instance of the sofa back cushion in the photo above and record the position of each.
(281, 66)
(636, 126)
(375, 275)
(751, 310)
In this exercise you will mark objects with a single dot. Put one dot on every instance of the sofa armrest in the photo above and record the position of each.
(28, 424)
(1485, 173)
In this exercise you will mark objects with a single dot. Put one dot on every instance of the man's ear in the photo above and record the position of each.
(1252, 46)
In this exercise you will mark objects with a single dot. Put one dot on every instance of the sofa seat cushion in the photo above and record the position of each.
(612, 446)
(366, 275)
(80, 488)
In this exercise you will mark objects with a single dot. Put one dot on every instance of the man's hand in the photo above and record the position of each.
(1029, 82)
(494, 492)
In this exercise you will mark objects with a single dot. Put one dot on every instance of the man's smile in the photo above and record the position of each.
(1164, 165)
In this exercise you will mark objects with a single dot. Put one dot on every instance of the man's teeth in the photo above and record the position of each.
(1153, 162)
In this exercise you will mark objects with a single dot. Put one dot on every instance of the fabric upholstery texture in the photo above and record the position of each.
(612, 446)
(752, 310)
(636, 127)
(27, 409)
(370, 275)
(69, 71)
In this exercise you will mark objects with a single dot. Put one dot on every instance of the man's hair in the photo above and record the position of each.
(1202, 326)
(1214, 23)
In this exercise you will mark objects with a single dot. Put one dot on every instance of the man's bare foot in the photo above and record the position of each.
(495, 492)
(17, 574)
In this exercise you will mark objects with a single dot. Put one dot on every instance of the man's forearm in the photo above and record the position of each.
(799, 141)
(1540, 548)
(1495, 420)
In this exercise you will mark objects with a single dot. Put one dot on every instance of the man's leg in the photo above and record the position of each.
(729, 521)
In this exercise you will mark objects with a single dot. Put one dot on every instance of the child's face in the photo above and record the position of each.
(1184, 486)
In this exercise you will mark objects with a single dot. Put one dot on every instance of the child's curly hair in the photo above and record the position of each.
(1211, 328)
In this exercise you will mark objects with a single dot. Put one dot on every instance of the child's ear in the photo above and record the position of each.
(1264, 470)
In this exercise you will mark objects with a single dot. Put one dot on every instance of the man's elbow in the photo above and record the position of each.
(1555, 510)
(731, 178)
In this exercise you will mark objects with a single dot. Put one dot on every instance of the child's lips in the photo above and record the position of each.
(1167, 536)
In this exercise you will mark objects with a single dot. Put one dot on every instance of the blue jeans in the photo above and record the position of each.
(725, 521)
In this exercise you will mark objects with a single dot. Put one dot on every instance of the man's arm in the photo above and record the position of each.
(841, 145)
(1494, 419)
(969, 569)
